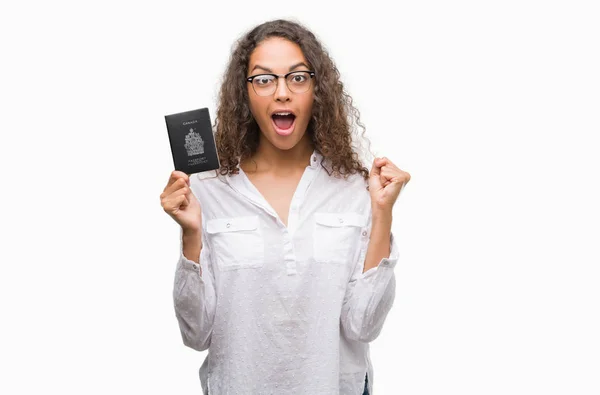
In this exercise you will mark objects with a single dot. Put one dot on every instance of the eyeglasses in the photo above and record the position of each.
(296, 81)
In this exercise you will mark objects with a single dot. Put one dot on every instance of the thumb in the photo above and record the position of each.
(375, 169)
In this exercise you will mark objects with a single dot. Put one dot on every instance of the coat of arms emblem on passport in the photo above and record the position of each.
(192, 141)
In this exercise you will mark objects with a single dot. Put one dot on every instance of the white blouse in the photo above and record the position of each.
(284, 310)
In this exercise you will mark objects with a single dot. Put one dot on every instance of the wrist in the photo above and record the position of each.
(381, 214)
(192, 245)
(190, 233)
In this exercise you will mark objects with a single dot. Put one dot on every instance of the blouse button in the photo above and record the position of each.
(341, 221)
(364, 233)
(228, 225)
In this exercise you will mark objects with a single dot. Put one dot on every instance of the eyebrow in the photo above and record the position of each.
(270, 71)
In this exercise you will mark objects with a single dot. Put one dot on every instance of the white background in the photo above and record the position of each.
(492, 106)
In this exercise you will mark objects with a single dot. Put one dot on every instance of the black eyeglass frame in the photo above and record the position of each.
(278, 76)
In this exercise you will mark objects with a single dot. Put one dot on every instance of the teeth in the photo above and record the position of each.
(282, 113)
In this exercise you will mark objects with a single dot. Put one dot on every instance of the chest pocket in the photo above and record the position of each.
(337, 236)
(237, 242)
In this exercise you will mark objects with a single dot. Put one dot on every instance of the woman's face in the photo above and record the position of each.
(279, 56)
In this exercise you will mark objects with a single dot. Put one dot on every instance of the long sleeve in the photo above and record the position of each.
(194, 298)
(369, 296)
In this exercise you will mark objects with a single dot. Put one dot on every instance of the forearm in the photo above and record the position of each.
(367, 305)
(194, 298)
(192, 244)
(379, 243)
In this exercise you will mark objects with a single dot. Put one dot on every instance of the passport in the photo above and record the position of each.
(192, 141)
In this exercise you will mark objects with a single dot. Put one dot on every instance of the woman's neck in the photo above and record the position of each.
(270, 159)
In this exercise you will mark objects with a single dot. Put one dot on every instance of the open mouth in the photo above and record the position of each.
(284, 122)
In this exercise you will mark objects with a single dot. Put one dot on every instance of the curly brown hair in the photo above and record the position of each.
(334, 116)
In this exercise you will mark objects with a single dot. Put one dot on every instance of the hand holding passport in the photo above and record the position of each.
(192, 141)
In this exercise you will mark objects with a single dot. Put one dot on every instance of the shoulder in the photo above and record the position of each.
(207, 184)
(351, 180)
(354, 182)
(342, 195)
(336, 191)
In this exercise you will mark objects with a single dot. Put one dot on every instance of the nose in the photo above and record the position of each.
(281, 92)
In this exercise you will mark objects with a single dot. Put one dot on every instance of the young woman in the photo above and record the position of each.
(286, 266)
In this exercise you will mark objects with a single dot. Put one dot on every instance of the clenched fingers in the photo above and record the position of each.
(174, 186)
(177, 175)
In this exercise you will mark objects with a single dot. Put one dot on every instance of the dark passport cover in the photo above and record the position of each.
(192, 141)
